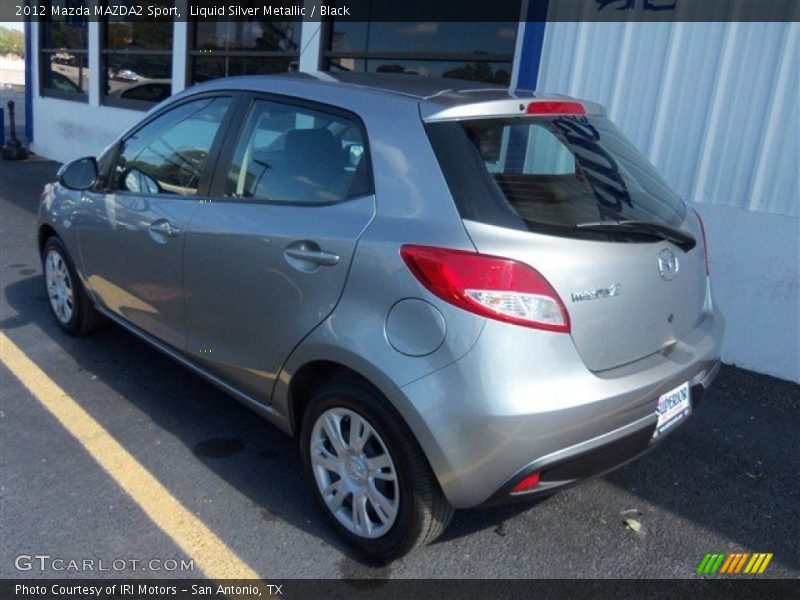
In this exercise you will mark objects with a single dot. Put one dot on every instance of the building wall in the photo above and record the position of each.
(716, 107)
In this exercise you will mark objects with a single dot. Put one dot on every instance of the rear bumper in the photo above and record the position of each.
(594, 457)
(522, 401)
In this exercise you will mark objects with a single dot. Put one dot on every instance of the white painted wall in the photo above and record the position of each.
(755, 259)
(716, 107)
(67, 130)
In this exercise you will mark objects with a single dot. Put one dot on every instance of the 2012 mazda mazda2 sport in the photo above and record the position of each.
(454, 294)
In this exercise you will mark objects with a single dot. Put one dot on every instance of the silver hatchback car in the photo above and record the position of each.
(454, 294)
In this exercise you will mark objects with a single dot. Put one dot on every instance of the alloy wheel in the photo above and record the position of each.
(354, 472)
(59, 286)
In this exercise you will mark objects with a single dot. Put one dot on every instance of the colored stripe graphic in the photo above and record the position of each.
(730, 564)
(732, 558)
(758, 564)
(764, 564)
(701, 568)
(718, 563)
(741, 562)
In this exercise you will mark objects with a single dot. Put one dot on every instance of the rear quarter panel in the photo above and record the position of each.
(413, 206)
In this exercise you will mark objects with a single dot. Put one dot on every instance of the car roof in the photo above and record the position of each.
(416, 86)
(436, 95)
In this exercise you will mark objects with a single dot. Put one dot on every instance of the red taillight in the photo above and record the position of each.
(528, 483)
(556, 108)
(705, 242)
(494, 287)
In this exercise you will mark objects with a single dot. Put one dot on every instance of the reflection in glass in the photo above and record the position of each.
(57, 34)
(490, 72)
(228, 49)
(142, 77)
(63, 52)
(474, 51)
(167, 155)
(138, 60)
(65, 72)
(139, 35)
(262, 36)
(214, 67)
(423, 37)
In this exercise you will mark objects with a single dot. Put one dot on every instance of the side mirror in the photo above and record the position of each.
(353, 153)
(80, 174)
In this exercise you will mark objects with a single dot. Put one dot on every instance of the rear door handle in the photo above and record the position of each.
(164, 227)
(317, 257)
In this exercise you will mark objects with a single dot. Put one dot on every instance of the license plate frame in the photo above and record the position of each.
(672, 408)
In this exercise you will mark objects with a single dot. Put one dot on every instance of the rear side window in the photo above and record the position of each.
(550, 174)
(294, 154)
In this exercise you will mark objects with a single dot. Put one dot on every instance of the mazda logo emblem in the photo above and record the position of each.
(668, 265)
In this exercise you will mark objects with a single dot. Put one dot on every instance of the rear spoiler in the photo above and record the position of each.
(457, 106)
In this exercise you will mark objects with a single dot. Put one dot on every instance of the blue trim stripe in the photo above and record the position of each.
(28, 84)
(532, 45)
(527, 76)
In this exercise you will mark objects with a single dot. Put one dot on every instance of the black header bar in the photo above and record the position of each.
(734, 588)
(407, 10)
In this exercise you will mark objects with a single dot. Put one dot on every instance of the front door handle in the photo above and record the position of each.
(164, 227)
(312, 255)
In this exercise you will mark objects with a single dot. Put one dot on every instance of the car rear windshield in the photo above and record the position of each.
(550, 174)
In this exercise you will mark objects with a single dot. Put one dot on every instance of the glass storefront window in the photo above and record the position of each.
(63, 55)
(228, 49)
(422, 37)
(489, 72)
(137, 61)
(474, 51)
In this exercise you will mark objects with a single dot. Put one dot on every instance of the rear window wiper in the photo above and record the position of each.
(683, 239)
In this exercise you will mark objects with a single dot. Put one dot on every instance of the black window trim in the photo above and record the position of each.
(213, 155)
(82, 97)
(248, 99)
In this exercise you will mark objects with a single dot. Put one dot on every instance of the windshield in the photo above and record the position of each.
(550, 173)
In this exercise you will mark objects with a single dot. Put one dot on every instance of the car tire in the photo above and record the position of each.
(422, 511)
(69, 303)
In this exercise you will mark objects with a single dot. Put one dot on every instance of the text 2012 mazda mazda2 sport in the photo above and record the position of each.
(454, 294)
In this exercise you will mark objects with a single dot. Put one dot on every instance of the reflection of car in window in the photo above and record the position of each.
(62, 83)
(154, 91)
(64, 58)
(125, 75)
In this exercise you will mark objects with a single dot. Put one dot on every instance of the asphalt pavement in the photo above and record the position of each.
(726, 481)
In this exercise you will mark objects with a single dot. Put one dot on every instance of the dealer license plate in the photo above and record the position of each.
(673, 407)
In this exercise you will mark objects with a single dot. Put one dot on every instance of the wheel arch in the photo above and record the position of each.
(46, 231)
(313, 364)
(308, 377)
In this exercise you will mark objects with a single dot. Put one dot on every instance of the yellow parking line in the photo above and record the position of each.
(200, 543)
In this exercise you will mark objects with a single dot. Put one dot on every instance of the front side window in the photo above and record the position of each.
(64, 53)
(299, 155)
(168, 155)
(551, 172)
